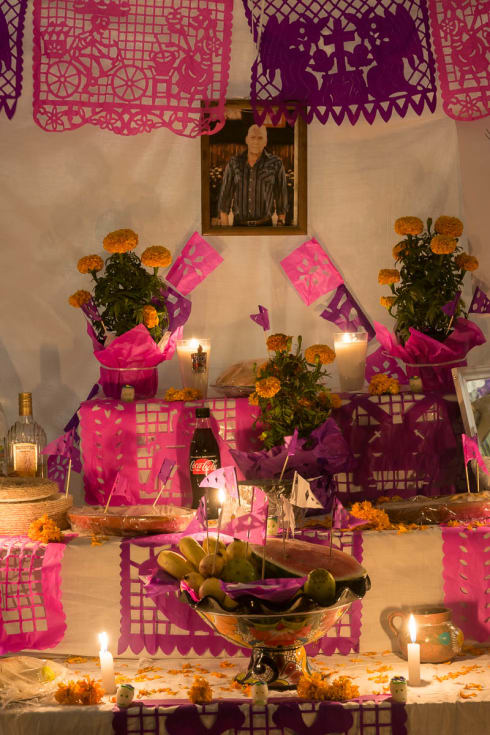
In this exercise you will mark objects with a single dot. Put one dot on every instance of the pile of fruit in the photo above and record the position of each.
(204, 568)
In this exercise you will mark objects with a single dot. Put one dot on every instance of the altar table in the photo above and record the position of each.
(438, 706)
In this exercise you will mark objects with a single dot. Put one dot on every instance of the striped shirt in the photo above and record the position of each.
(254, 192)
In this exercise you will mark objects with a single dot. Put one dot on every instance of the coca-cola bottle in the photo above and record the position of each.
(203, 459)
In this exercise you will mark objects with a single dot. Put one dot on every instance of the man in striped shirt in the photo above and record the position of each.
(254, 185)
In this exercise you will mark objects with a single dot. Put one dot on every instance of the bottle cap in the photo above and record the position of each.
(25, 404)
(202, 413)
(127, 393)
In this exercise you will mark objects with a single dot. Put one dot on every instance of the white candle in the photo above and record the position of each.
(193, 356)
(413, 650)
(106, 666)
(350, 356)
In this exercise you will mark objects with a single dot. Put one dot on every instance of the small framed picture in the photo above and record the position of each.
(253, 177)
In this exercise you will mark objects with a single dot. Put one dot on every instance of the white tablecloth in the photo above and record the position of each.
(437, 707)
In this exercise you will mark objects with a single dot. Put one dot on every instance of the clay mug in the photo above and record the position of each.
(440, 640)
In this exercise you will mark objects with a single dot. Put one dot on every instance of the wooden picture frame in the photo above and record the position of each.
(279, 183)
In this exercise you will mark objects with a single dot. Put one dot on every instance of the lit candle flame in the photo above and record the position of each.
(412, 628)
(194, 344)
(221, 496)
(103, 640)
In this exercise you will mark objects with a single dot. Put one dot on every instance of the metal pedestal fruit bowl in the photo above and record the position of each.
(277, 639)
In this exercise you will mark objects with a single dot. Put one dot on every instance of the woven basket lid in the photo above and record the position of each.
(22, 489)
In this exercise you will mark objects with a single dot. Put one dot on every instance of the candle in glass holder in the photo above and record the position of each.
(106, 666)
(350, 356)
(413, 651)
(193, 356)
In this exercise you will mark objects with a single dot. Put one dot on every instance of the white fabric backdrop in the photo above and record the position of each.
(62, 192)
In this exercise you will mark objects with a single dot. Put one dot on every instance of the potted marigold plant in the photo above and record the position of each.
(291, 396)
(432, 333)
(129, 321)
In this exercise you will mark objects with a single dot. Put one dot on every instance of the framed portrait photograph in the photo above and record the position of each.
(253, 178)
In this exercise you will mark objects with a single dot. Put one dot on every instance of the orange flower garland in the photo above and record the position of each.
(318, 687)
(85, 691)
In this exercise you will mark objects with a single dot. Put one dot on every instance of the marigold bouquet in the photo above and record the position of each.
(290, 390)
(127, 294)
(432, 266)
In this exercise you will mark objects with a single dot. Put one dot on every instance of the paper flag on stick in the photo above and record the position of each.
(452, 305)
(291, 443)
(262, 318)
(471, 451)
(288, 512)
(311, 271)
(178, 307)
(196, 261)
(122, 491)
(302, 495)
(198, 523)
(222, 479)
(165, 470)
(252, 526)
(480, 303)
(344, 311)
(63, 446)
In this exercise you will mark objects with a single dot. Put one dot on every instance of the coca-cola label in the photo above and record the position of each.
(203, 466)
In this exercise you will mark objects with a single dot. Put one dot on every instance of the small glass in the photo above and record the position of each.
(193, 356)
(350, 356)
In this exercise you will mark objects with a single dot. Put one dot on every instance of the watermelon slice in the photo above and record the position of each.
(298, 558)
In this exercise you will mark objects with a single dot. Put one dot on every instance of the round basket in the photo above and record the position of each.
(15, 518)
(22, 489)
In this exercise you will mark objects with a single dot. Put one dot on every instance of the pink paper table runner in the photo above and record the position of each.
(31, 611)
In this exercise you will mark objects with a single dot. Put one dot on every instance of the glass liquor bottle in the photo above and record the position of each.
(25, 443)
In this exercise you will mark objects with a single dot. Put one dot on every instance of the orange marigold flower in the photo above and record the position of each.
(79, 298)
(120, 241)
(399, 249)
(382, 383)
(443, 245)
(156, 257)
(318, 687)
(323, 353)
(150, 316)
(374, 517)
(200, 691)
(253, 399)
(267, 387)
(335, 400)
(45, 530)
(88, 691)
(387, 301)
(409, 226)
(278, 342)
(466, 262)
(66, 693)
(451, 226)
(387, 276)
(90, 263)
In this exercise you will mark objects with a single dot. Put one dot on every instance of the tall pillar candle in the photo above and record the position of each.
(193, 356)
(413, 652)
(106, 666)
(350, 357)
